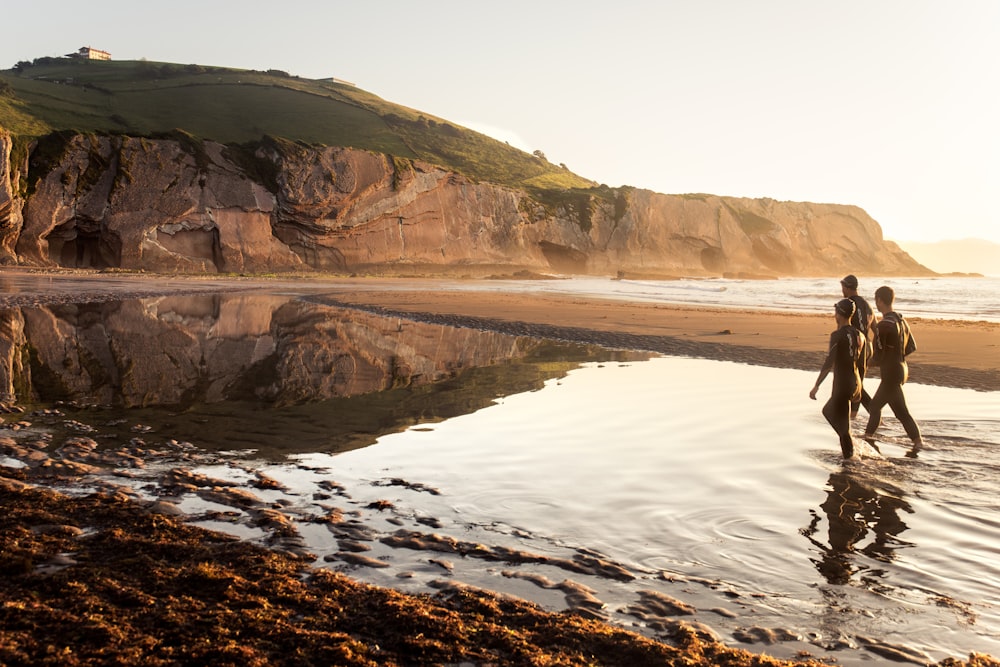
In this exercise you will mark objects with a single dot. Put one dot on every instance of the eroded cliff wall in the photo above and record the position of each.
(188, 206)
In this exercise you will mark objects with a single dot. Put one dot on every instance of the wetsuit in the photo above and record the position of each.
(893, 342)
(846, 345)
(862, 321)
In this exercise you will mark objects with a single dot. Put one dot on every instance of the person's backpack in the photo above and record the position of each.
(909, 345)
(904, 336)
(862, 321)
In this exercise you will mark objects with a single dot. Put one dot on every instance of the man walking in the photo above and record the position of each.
(893, 343)
(862, 320)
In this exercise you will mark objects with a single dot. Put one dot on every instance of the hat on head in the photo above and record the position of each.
(850, 281)
(845, 307)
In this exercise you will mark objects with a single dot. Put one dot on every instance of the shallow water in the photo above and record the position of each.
(935, 298)
(714, 483)
(728, 473)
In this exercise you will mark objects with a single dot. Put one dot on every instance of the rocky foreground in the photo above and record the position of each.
(101, 580)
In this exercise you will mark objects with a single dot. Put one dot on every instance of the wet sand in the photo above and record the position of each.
(950, 353)
(969, 345)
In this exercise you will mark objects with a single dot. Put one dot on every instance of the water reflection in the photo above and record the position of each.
(267, 372)
(860, 520)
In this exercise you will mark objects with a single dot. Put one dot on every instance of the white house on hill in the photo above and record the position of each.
(88, 53)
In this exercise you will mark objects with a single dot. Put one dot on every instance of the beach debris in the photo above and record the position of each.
(292, 545)
(356, 559)
(184, 478)
(579, 598)
(70, 468)
(581, 563)
(57, 530)
(657, 605)
(894, 651)
(443, 564)
(430, 521)
(413, 486)
(165, 508)
(80, 427)
(351, 545)
(273, 520)
(55, 564)
(754, 635)
(353, 530)
(725, 613)
(262, 481)
(229, 496)
(77, 448)
(332, 487)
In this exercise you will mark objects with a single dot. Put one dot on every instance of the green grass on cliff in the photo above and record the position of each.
(237, 106)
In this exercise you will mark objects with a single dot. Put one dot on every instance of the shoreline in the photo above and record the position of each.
(951, 353)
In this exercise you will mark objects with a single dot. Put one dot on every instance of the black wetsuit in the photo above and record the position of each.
(846, 345)
(862, 321)
(893, 342)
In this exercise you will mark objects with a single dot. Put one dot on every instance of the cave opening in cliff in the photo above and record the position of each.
(73, 247)
(713, 259)
(563, 258)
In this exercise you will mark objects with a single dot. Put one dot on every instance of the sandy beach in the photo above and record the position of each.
(138, 575)
(950, 353)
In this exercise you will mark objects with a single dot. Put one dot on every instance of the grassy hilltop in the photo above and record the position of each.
(233, 106)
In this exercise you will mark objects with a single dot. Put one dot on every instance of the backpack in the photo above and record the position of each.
(910, 345)
(907, 345)
(862, 321)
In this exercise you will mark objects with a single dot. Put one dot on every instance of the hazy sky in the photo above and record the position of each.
(890, 105)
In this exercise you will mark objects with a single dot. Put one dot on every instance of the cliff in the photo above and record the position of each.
(183, 205)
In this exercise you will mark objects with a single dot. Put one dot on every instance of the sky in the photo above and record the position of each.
(889, 105)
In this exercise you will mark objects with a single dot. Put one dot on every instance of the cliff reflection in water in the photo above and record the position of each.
(265, 372)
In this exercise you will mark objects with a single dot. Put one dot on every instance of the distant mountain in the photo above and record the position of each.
(956, 256)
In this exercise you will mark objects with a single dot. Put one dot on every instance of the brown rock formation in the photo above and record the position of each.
(181, 205)
(10, 205)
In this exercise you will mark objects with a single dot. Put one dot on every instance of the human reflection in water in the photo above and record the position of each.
(854, 509)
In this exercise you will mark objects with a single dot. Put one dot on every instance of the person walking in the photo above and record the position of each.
(863, 319)
(846, 345)
(893, 343)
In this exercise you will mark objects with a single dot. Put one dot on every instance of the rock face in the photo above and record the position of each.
(178, 205)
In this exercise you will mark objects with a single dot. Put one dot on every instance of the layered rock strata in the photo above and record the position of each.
(182, 205)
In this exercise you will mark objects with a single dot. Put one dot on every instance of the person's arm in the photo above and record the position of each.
(827, 367)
